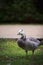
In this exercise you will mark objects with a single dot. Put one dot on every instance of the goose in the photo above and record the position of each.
(27, 43)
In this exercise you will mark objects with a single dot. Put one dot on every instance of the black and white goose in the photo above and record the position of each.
(27, 43)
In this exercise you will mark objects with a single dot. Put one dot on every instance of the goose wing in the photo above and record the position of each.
(31, 44)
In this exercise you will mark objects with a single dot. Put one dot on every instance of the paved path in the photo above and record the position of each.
(10, 31)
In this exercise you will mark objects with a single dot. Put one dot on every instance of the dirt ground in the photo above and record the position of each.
(10, 31)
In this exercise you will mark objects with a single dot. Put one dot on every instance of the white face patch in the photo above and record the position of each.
(20, 30)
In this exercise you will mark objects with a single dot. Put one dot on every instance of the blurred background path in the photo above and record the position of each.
(10, 31)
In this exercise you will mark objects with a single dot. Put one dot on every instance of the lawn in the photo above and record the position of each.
(11, 54)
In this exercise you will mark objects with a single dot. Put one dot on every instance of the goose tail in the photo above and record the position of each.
(41, 42)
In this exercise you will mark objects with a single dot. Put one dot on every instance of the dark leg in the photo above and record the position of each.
(32, 52)
(26, 52)
(33, 56)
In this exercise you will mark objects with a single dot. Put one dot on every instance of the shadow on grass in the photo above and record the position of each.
(22, 60)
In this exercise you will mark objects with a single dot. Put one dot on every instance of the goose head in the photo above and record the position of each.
(22, 33)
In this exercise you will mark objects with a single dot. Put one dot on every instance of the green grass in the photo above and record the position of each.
(11, 54)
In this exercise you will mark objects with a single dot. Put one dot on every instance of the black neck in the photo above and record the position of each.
(23, 37)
